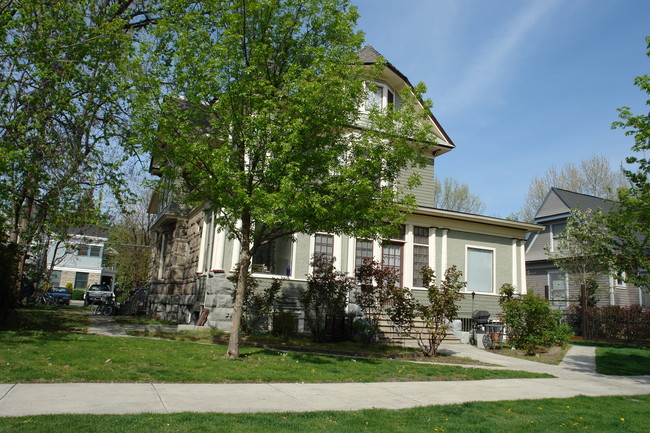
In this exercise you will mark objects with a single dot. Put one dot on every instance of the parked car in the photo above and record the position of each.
(98, 293)
(58, 295)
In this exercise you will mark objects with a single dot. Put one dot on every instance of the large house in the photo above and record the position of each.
(192, 257)
(546, 279)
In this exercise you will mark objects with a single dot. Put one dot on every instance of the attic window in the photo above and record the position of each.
(378, 97)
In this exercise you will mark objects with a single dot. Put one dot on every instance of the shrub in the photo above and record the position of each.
(284, 323)
(441, 310)
(531, 324)
(325, 299)
(77, 295)
(376, 287)
(258, 306)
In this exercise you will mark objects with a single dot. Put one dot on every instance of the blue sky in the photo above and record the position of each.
(518, 85)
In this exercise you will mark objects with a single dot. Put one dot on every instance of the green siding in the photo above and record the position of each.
(425, 192)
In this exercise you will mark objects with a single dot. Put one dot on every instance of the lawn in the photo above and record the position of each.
(620, 359)
(596, 414)
(63, 353)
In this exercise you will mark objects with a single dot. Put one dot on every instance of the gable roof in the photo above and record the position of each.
(561, 202)
(369, 56)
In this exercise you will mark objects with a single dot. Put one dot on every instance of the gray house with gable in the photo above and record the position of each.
(546, 279)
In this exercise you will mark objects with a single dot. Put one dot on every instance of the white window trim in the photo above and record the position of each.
(292, 261)
(494, 268)
(384, 95)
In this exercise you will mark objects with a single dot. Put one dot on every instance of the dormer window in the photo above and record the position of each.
(379, 97)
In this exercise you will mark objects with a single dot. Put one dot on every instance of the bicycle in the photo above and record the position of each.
(41, 298)
(107, 307)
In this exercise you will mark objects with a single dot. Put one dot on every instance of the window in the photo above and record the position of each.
(324, 245)
(55, 278)
(163, 256)
(391, 257)
(480, 270)
(274, 257)
(620, 279)
(374, 98)
(209, 239)
(556, 229)
(378, 97)
(420, 253)
(81, 280)
(89, 250)
(558, 293)
(364, 251)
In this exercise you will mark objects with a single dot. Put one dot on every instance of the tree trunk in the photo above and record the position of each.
(238, 307)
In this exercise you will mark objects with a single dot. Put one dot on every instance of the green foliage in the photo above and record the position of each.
(252, 108)
(379, 294)
(630, 221)
(531, 324)
(377, 285)
(77, 295)
(441, 309)
(130, 244)
(325, 299)
(582, 247)
(613, 322)
(63, 113)
(259, 306)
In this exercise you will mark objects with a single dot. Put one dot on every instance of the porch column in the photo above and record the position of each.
(515, 265)
(522, 264)
(407, 265)
(432, 248)
(443, 254)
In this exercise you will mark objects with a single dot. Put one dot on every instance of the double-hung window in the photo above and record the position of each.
(420, 253)
(392, 254)
(324, 245)
(363, 252)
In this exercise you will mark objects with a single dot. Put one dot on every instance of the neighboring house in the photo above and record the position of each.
(545, 279)
(192, 257)
(80, 259)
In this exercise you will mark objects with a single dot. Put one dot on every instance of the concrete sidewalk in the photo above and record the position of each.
(575, 376)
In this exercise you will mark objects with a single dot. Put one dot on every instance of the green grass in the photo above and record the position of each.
(48, 345)
(620, 359)
(62, 357)
(592, 414)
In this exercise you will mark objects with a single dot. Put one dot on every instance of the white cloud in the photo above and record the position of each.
(494, 60)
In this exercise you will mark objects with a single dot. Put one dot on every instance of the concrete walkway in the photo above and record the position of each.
(574, 376)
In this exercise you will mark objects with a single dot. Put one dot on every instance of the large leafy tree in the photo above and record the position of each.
(629, 223)
(617, 241)
(62, 111)
(252, 108)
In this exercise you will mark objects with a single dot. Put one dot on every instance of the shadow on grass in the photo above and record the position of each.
(610, 344)
(45, 319)
(623, 362)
